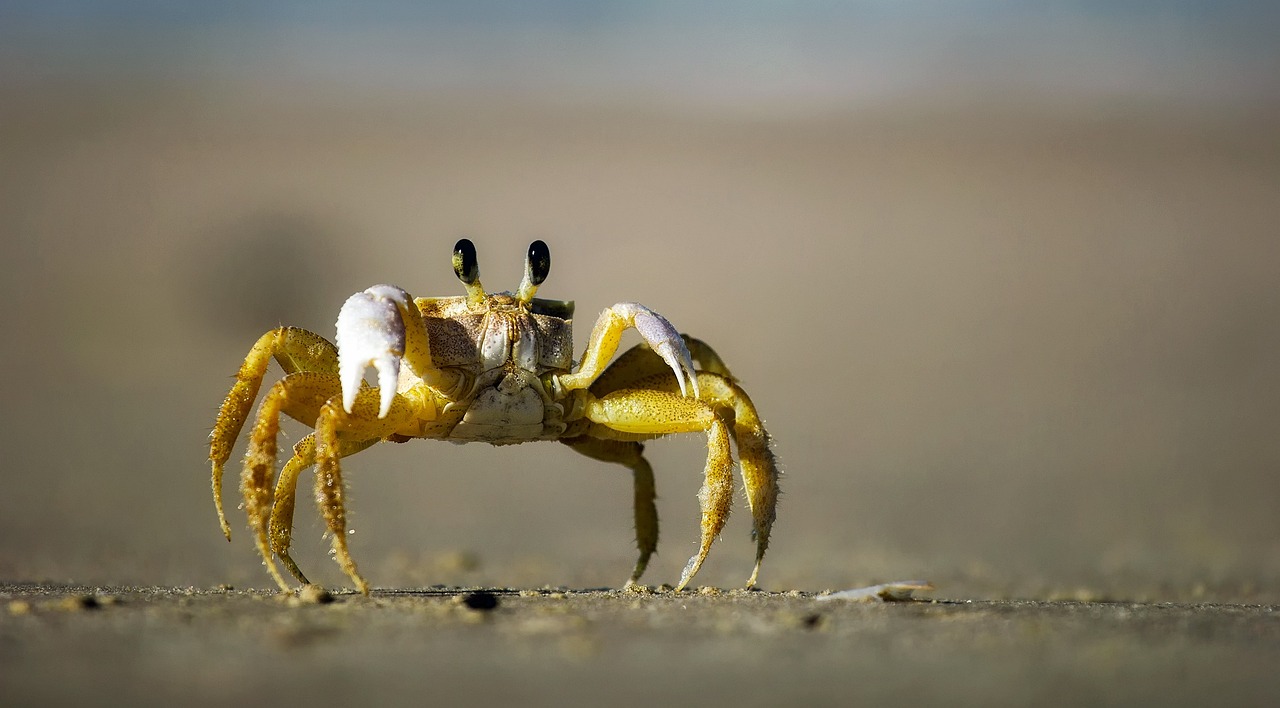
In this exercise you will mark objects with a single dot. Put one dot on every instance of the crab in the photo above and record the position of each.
(495, 368)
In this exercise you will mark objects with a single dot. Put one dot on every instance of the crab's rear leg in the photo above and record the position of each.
(281, 532)
(296, 350)
(300, 395)
(759, 466)
(630, 454)
(641, 362)
(650, 412)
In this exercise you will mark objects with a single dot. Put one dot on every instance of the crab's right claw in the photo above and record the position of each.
(371, 333)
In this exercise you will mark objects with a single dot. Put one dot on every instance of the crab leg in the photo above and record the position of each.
(630, 454)
(304, 455)
(650, 412)
(657, 332)
(300, 395)
(758, 464)
(362, 423)
(296, 350)
(641, 362)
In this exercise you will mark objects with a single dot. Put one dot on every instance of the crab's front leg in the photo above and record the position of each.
(313, 396)
(296, 350)
(362, 423)
(657, 332)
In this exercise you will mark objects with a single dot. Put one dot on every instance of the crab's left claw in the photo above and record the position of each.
(658, 333)
(664, 339)
(371, 333)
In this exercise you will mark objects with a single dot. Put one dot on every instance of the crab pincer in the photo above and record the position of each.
(662, 337)
(658, 334)
(371, 332)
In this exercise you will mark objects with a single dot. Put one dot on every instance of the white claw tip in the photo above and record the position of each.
(388, 377)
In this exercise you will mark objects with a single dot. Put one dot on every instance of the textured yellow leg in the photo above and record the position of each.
(630, 454)
(650, 412)
(361, 424)
(304, 455)
(300, 395)
(758, 464)
(636, 363)
(296, 350)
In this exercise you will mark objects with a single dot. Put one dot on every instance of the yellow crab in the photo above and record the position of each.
(495, 368)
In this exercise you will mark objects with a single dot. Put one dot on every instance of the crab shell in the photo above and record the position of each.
(506, 349)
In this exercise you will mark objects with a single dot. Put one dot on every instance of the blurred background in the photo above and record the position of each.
(1001, 277)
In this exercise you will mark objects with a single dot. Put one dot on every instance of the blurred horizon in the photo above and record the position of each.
(800, 56)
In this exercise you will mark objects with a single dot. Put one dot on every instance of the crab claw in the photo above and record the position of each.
(662, 337)
(371, 333)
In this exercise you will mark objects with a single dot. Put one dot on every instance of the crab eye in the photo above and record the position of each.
(539, 262)
(464, 262)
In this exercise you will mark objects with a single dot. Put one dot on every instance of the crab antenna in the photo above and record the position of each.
(467, 268)
(536, 267)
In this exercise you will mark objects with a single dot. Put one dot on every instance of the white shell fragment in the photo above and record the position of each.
(885, 592)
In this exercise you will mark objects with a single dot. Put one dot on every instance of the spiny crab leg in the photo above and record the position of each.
(658, 333)
(371, 332)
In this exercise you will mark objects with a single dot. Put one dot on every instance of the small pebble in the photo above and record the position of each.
(480, 601)
(79, 603)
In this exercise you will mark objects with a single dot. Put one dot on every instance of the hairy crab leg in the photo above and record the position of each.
(362, 423)
(630, 454)
(301, 395)
(650, 412)
(296, 350)
(281, 532)
(657, 332)
(758, 465)
(641, 368)
(641, 362)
